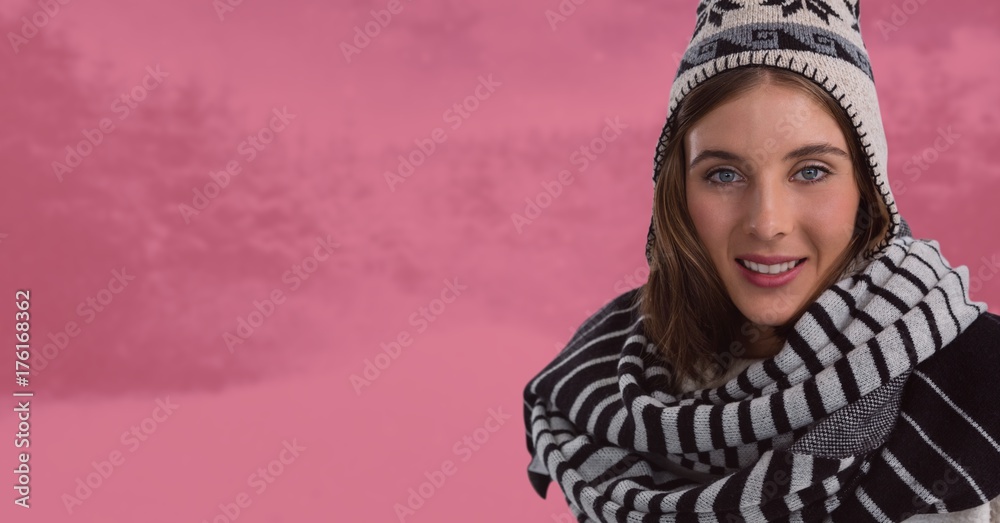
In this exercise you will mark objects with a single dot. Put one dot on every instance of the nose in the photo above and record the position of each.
(770, 213)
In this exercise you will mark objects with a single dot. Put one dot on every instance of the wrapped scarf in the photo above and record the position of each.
(800, 436)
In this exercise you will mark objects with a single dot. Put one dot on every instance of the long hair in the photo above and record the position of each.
(688, 313)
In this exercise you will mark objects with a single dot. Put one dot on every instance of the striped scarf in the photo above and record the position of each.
(796, 437)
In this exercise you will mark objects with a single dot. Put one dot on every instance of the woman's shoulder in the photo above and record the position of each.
(618, 314)
(984, 332)
(591, 354)
(976, 349)
(598, 337)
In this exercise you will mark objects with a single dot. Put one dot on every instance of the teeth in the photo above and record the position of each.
(769, 269)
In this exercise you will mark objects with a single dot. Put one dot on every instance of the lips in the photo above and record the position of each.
(770, 268)
(788, 270)
(768, 259)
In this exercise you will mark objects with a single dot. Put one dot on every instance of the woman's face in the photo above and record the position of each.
(770, 180)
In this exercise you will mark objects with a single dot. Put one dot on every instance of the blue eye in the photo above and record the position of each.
(814, 173)
(809, 174)
(726, 177)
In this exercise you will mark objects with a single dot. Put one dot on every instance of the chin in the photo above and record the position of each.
(769, 313)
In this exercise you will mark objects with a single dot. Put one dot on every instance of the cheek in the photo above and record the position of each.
(835, 216)
(711, 221)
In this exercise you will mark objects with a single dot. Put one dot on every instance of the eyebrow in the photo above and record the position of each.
(814, 149)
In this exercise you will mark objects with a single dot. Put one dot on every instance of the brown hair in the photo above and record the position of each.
(688, 313)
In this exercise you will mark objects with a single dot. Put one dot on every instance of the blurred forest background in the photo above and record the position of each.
(452, 218)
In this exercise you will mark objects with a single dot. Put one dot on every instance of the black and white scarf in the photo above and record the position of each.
(801, 436)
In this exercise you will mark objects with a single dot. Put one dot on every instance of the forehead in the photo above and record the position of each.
(767, 119)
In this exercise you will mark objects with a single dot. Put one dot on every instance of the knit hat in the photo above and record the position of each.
(819, 39)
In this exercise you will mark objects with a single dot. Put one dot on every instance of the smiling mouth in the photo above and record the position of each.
(778, 268)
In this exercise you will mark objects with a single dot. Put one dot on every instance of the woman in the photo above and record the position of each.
(796, 354)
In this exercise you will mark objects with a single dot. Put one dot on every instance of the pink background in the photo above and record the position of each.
(391, 250)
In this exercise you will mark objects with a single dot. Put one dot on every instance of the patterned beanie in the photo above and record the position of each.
(819, 39)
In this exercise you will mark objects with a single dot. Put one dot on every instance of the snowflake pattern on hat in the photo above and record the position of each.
(709, 11)
(790, 7)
